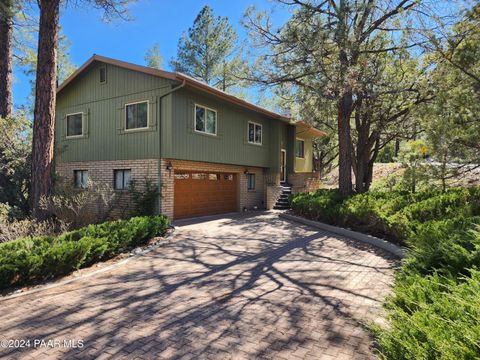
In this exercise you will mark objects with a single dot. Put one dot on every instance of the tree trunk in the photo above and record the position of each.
(397, 147)
(371, 163)
(363, 148)
(45, 100)
(344, 143)
(6, 38)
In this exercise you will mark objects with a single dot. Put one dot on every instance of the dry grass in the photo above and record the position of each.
(11, 230)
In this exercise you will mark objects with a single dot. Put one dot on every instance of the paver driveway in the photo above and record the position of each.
(239, 287)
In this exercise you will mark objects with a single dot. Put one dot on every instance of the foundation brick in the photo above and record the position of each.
(304, 182)
(102, 171)
(265, 195)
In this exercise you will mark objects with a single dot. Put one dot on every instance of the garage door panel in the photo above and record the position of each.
(199, 193)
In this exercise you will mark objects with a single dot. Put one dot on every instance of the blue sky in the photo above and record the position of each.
(154, 21)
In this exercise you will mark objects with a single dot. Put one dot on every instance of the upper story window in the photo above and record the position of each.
(254, 133)
(75, 124)
(122, 179)
(136, 115)
(205, 120)
(80, 179)
(102, 73)
(300, 148)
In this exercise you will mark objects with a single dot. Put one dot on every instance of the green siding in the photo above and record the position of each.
(171, 131)
(103, 107)
(230, 145)
(290, 149)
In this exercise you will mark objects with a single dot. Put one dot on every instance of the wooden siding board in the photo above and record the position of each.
(230, 145)
(105, 104)
(305, 164)
(290, 149)
(172, 132)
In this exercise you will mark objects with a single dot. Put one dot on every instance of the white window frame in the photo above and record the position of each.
(248, 133)
(66, 126)
(148, 116)
(302, 140)
(195, 120)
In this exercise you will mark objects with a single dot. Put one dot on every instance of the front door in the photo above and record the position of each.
(283, 165)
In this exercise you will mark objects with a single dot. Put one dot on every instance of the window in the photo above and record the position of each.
(205, 120)
(75, 124)
(254, 133)
(80, 179)
(251, 181)
(103, 75)
(122, 179)
(199, 176)
(300, 148)
(136, 115)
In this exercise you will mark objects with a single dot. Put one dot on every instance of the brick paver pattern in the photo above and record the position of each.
(240, 287)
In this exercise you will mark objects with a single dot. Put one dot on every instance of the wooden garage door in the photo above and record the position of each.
(200, 193)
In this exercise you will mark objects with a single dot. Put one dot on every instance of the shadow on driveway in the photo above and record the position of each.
(241, 286)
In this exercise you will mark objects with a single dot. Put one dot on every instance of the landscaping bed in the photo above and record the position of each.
(434, 311)
(33, 260)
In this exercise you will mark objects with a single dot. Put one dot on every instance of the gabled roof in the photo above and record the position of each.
(190, 82)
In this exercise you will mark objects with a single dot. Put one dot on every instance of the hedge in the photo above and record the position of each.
(395, 215)
(32, 260)
(434, 311)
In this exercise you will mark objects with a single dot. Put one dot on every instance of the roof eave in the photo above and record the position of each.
(230, 98)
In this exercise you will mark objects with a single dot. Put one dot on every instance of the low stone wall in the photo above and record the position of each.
(304, 182)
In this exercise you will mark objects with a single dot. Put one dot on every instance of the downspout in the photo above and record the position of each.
(174, 89)
(160, 142)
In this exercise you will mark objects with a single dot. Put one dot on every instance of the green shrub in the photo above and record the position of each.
(321, 205)
(433, 317)
(434, 312)
(454, 203)
(145, 197)
(30, 260)
(395, 215)
(447, 246)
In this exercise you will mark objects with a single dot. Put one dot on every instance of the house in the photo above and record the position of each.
(210, 152)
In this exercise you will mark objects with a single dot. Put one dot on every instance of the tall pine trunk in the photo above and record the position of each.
(6, 38)
(45, 100)
(344, 144)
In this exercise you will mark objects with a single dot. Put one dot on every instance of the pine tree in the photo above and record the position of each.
(153, 57)
(323, 50)
(45, 94)
(6, 59)
(208, 51)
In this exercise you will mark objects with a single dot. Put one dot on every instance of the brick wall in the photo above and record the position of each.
(304, 182)
(264, 196)
(102, 172)
(273, 194)
(247, 199)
